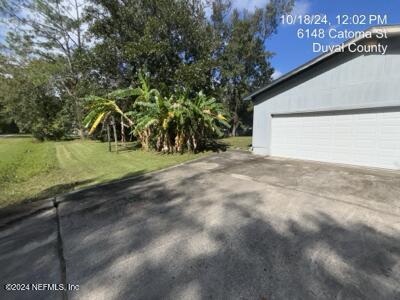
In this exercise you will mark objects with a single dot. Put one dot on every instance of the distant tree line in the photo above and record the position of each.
(56, 52)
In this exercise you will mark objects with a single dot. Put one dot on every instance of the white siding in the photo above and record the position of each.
(342, 83)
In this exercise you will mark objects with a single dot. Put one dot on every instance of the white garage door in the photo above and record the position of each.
(368, 138)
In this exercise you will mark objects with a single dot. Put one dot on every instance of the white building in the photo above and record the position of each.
(341, 107)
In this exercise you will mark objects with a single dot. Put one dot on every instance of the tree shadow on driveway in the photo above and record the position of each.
(192, 235)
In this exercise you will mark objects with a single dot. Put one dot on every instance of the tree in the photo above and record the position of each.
(30, 97)
(7, 124)
(52, 30)
(181, 50)
(242, 60)
(169, 39)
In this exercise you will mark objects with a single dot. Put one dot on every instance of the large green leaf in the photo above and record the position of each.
(96, 123)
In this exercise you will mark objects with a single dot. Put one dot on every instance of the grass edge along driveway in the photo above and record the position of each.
(31, 170)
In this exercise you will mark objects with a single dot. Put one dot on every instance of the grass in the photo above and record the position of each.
(31, 170)
(238, 142)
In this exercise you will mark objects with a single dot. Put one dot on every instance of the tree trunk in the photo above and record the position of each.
(78, 114)
(79, 22)
(235, 124)
(115, 133)
(123, 138)
(235, 119)
(160, 142)
(108, 137)
(234, 128)
(77, 110)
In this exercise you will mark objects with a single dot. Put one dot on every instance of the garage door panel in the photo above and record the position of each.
(341, 157)
(389, 144)
(391, 115)
(359, 138)
(364, 145)
(389, 132)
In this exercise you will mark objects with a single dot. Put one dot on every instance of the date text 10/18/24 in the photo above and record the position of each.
(322, 19)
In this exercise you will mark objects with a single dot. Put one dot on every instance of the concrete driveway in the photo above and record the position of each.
(230, 226)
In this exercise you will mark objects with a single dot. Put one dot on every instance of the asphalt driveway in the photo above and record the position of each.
(230, 226)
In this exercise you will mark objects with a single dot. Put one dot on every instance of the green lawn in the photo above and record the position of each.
(238, 142)
(31, 170)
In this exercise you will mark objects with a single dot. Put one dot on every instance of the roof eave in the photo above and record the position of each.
(391, 30)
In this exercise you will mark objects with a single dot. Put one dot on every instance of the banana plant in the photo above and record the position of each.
(176, 123)
(103, 110)
(144, 92)
(168, 124)
(99, 111)
(100, 108)
(151, 120)
(208, 117)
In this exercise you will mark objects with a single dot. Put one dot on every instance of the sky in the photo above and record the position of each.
(291, 51)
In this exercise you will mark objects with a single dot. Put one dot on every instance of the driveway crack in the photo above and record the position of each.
(60, 250)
